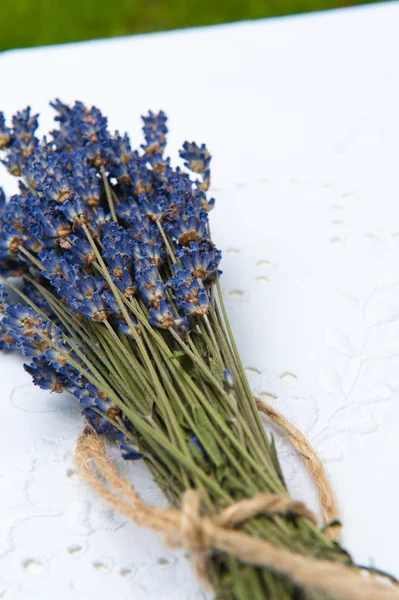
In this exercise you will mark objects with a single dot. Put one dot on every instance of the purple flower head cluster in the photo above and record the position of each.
(101, 227)
(50, 368)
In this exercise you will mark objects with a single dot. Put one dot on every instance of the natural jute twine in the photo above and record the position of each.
(199, 534)
(313, 464)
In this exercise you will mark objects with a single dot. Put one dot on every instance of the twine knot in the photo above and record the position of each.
(195, 532)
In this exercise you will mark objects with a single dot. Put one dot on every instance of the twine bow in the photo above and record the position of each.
(200, 534)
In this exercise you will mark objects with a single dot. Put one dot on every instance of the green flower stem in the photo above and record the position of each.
(251, 402)
(31, 257)
(168, 243)
(214, 343)
(119, 373)
(132, 360)
(108, 193)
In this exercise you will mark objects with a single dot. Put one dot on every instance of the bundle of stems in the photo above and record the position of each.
(121, 306)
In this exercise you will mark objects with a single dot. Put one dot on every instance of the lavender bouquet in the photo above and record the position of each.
(110, 252)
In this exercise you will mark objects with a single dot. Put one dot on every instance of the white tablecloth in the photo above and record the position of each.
(302, 117)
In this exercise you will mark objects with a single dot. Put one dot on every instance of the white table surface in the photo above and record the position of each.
(302, 117)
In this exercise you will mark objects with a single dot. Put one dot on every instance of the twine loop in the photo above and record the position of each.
(313, 463)
(200, 535)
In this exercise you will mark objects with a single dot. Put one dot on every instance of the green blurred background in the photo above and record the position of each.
(38, 22)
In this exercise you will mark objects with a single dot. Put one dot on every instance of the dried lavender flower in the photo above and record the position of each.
(121, 308)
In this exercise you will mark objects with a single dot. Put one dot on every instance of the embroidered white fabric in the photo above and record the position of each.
(301, 115)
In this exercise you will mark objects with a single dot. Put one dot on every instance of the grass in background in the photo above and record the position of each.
(39, 22)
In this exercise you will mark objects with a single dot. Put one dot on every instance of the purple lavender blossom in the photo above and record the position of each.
(81, 185)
